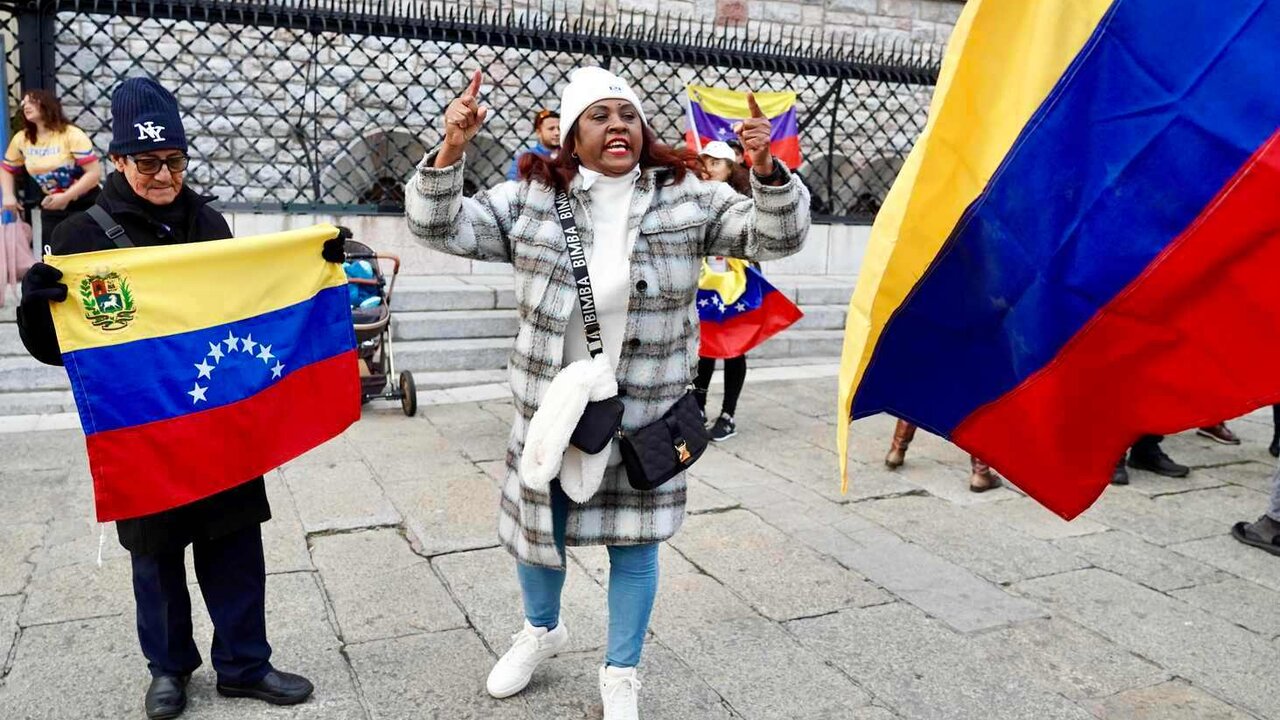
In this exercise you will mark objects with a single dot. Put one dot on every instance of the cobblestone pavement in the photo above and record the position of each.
(907, 598)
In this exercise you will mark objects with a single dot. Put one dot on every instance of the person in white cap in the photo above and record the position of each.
(720, 164)
(645, 221)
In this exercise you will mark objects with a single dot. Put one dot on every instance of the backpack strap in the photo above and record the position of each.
(115, 233)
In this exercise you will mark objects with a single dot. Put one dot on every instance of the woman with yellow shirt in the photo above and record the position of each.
(57, 155)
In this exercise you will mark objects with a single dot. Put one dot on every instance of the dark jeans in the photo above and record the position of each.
(735, 376)
(232, 576)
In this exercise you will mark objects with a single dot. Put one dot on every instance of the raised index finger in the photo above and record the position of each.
(473, 88)
(756, 112)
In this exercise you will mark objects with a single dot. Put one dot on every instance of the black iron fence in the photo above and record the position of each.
(307, 105)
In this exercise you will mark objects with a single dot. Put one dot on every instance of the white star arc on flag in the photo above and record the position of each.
(205, 368)
(197, 395)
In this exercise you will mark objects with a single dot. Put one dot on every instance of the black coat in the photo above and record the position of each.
(190, 219)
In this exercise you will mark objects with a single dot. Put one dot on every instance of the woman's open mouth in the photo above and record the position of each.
(618, 147)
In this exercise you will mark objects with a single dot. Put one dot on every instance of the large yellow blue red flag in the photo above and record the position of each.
(197, 367)
(1082, 247)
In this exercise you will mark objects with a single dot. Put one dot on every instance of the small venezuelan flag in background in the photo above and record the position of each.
(714, 111)
(1083, 246)
(739, 309)
(198, 367)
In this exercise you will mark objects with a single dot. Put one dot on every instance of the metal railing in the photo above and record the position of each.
(326, 105)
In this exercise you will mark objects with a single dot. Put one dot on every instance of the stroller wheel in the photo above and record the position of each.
(408, 394)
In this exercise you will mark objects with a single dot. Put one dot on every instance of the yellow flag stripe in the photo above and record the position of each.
(729, 284)
(1003, 60)
(733, 104)
(179, 288)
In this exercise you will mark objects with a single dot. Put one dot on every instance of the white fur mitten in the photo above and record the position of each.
(552, 425)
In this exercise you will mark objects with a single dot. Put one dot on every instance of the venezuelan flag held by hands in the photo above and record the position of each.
(198, 367)
(739, 310)
(714, 111)
(1082, 247)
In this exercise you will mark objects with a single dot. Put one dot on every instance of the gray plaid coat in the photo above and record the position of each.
(679, 225)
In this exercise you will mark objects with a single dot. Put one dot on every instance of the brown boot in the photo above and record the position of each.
(903, 434)
(981, 479)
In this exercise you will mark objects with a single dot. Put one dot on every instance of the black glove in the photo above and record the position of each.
(335, 249)
(35, 325)
(40, 285)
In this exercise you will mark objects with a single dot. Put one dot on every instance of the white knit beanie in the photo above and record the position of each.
(588, 86)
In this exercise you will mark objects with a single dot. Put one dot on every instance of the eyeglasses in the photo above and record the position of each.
(151, 165)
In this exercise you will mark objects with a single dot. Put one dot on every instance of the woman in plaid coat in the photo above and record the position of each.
(646, 221)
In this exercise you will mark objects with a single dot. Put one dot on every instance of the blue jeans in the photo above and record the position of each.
(633, 584)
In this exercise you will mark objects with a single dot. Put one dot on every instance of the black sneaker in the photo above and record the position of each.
(1120, 476)
(723, 429)
(1159, 463)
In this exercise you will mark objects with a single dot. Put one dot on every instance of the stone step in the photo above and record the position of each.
(417, 293)
(453, 354)
(19, 373)
(447, 324)
(36, 403)
(821, 317)
(479, 292)
(444, 325)
(802, 343)
(10, 342)
(445, 379)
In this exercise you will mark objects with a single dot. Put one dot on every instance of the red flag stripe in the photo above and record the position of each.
(145, 469)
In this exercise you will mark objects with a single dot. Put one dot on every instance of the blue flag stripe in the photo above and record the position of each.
(162, 378)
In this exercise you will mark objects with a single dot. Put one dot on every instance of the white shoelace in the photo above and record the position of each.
(523, 646)
(614, 685)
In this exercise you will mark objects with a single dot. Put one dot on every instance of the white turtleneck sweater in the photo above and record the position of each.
(609, 264)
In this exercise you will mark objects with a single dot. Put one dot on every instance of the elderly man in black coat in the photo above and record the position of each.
(146, 203)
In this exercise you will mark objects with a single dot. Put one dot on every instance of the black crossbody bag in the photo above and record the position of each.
(656, 452)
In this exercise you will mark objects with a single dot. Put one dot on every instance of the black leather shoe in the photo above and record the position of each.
(166, 697)
(1275, 445)
(1120, 476)
(1158, 463)
(277, 688)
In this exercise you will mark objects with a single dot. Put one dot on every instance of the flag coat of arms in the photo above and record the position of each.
(739, 309)
(714, 111)
(197, 367)
(1082, 246)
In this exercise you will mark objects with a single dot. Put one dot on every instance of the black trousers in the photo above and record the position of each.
(735, 376)
(1147, 445)
(232, 576)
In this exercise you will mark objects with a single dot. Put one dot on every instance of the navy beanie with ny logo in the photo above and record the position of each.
(144, 116)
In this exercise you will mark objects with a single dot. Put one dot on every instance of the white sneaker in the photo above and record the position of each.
(529, 648)
(620, 692)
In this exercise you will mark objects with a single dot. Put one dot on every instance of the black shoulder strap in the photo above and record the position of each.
(115, 233)
(578, 260)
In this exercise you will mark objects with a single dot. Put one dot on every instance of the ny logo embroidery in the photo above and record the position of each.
(150, 131)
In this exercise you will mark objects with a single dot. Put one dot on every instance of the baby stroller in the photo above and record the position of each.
(371, 312)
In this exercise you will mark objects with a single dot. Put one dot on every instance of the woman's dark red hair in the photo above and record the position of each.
(558, 174)
(50, 111)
